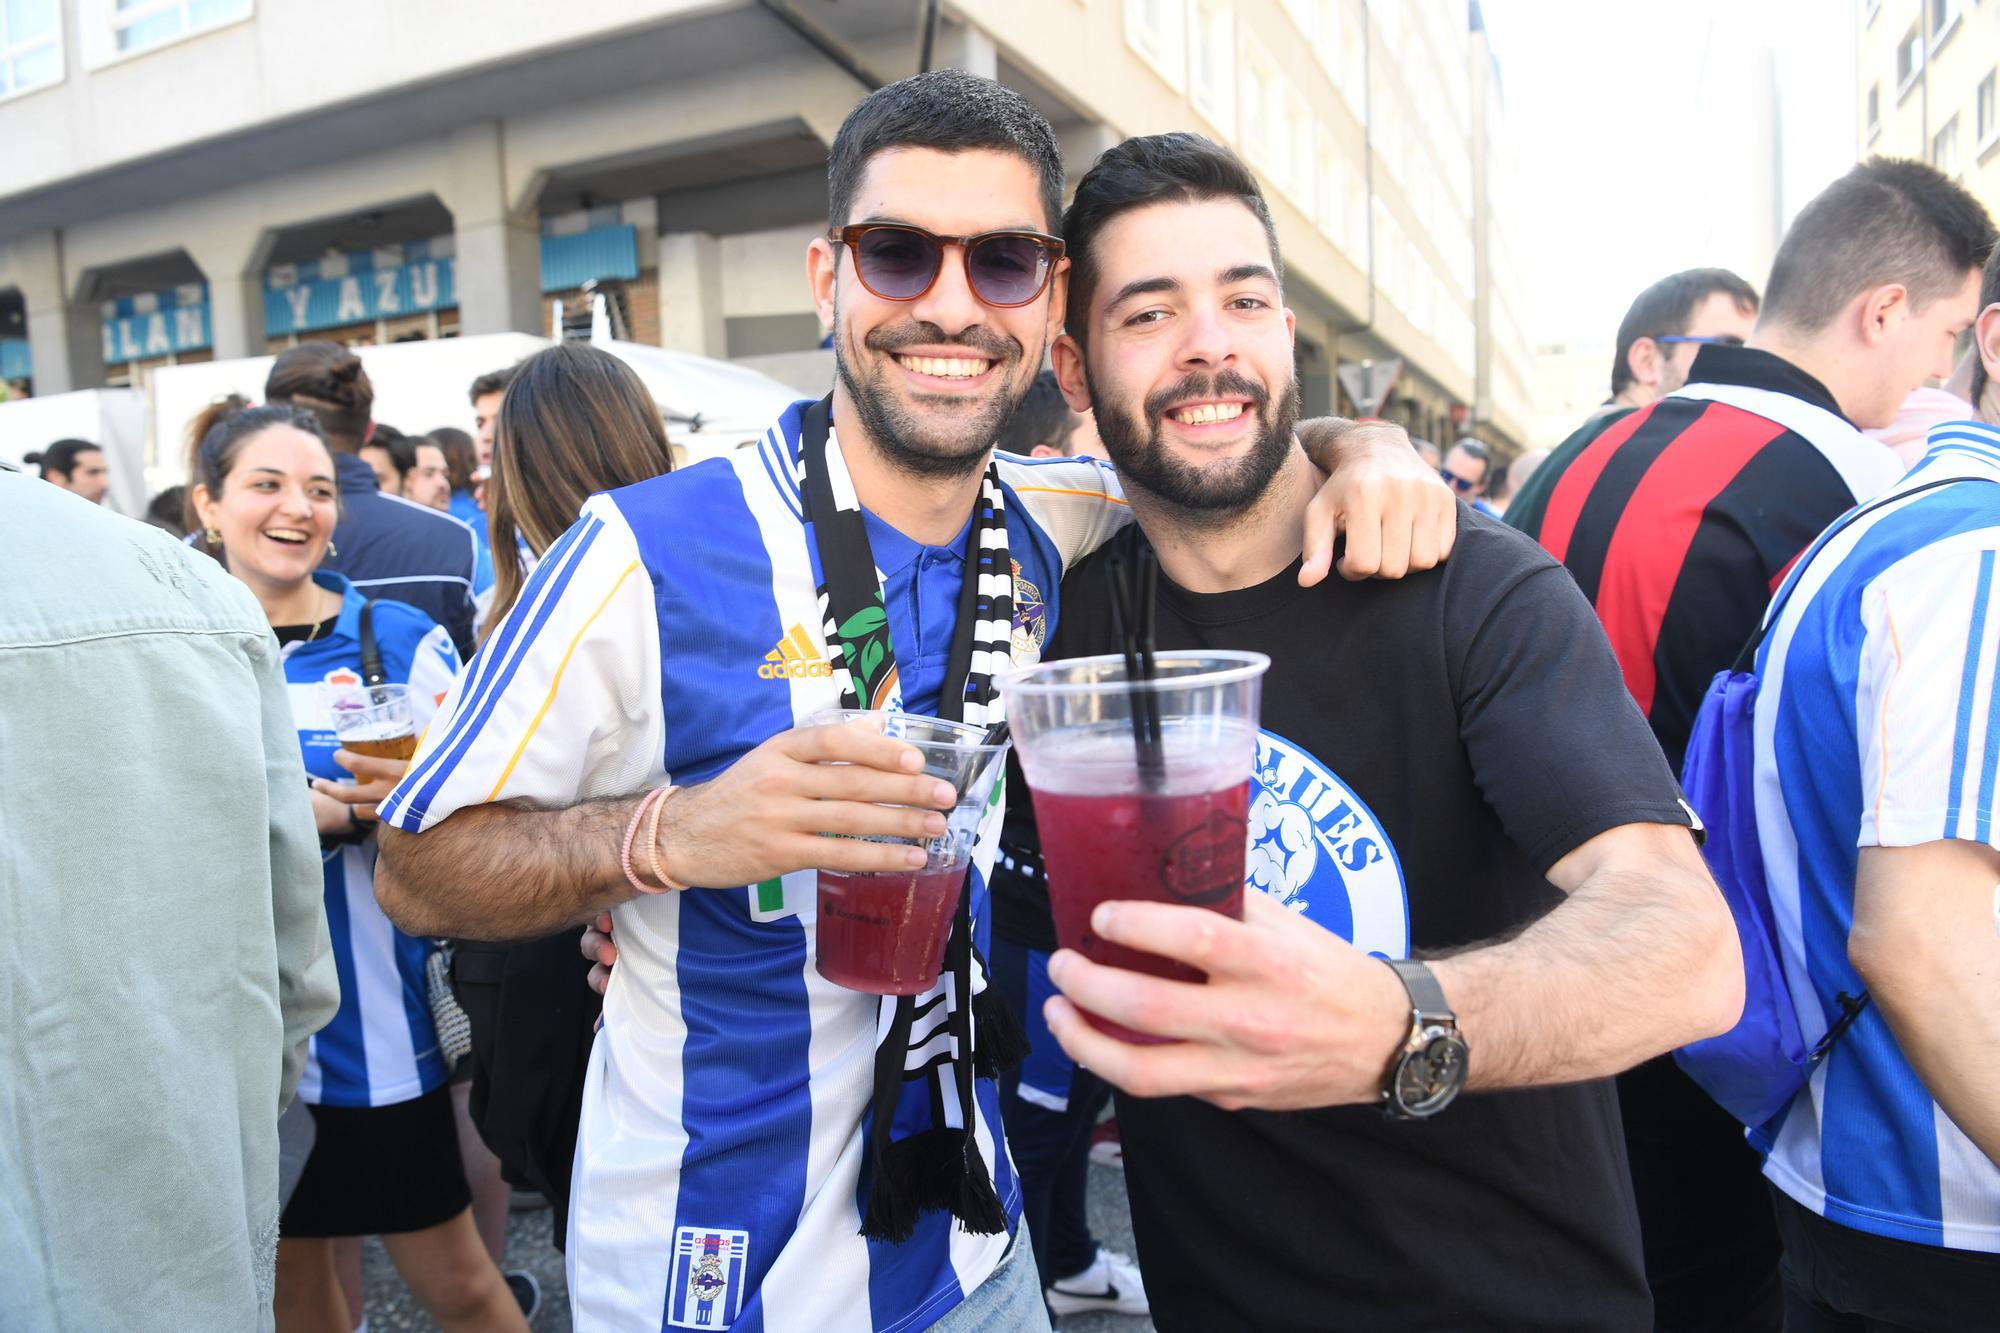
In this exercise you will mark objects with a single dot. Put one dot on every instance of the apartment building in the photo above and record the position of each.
(186, 179)
(1928, 76)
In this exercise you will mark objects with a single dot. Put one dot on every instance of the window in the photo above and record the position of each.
(1909, 58)
(1944, 20)
(1874, 111)
(30, 45)
(1944, 148)
(1302, 13)
(137, 25)
(1212, 63)
(1157, 30)
(1986, 113)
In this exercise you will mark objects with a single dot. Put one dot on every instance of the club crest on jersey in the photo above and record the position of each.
(1317, 848)
(706, 1287)
(1031, 620)
(346, 678)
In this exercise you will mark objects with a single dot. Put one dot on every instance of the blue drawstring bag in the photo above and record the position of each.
(1754, 1070)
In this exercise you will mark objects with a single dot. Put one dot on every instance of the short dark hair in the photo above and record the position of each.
(1043, 417)
(326, 380)
(1667, 306)
(493, 381)
(950, 111)
(61, 456)
(461, 458)
(1473, 448)
(1179, 168)
(1887, 220)
(1989, 294)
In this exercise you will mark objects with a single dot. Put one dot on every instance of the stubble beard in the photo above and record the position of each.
(916, 446)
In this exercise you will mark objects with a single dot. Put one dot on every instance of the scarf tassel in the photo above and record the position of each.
(1001, 1045)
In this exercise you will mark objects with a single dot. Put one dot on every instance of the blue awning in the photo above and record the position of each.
(603, 252)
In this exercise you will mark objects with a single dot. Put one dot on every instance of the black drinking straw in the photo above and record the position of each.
(1149, 597)
(1132, 636)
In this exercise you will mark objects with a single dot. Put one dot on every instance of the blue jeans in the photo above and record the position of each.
(1048, 1108)
(1008, 1301)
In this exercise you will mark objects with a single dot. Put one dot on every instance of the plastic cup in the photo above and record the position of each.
(373, 719)
(885, 933)
(1113, 830)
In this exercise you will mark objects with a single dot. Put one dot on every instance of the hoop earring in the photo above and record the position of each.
(332, 551)
(213, 536)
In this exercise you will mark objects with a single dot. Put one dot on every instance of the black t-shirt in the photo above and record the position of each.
(1479, 730)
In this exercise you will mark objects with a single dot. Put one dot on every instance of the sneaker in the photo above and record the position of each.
(1105, 1149)
(526, 1290)
(1110, 1285)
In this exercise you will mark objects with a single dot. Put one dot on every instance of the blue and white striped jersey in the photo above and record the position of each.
(720, 1161)
(1878, 725)
(381, 1047)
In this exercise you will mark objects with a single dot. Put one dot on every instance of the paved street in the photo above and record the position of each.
(392, 1310)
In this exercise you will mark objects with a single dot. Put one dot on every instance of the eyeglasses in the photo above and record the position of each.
(900, 263)
(1725, 339)
(1456, 482)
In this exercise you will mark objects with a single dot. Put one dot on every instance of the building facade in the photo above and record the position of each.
(188, 179)
(1928, 87)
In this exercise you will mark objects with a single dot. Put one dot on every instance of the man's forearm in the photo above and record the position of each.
(1322, 437)
(1951, 1037)
(496, 872)
(1632, 964)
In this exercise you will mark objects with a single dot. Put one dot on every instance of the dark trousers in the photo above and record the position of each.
(1704, 1214)
(1051, 1148)
(1839, 1280)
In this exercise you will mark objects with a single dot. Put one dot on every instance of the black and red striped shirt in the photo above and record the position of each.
(1679, 521)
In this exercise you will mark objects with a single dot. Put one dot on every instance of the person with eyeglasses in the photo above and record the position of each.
(759, 1146)
(1466, 469)
(1665, 327)
(1678, 521)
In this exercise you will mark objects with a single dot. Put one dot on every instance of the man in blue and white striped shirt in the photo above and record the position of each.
(1878, 809)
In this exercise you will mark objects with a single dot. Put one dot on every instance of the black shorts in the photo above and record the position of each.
(378, 1170)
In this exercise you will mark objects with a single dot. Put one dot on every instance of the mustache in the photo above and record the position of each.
(895, 338)
(1195, 385)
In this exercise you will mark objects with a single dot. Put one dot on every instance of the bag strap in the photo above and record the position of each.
(371, 654)
(1747, 659)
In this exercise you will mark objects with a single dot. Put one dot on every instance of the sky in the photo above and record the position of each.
(1642, 131)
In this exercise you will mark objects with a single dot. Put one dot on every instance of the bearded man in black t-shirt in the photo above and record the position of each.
(1450, 769)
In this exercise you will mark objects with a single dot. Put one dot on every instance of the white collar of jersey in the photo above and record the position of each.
(1867, 467)
(1969, 449)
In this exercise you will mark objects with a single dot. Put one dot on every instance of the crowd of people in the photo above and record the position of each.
(1447, 1072)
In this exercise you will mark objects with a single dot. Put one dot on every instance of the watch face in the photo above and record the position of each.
(1431, 1075)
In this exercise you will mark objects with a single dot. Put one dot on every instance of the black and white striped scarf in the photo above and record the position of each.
(938, 1041)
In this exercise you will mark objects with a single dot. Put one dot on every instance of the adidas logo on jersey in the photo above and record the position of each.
(795, 658)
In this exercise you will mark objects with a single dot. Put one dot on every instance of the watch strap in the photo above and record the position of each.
(1426, 995)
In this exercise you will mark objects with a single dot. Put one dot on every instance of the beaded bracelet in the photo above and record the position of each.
(650, 802)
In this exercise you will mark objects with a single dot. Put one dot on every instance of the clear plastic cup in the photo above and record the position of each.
(1114, 827)
(372, 719)
(886, 932)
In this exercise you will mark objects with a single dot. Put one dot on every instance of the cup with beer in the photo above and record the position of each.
(374, 720)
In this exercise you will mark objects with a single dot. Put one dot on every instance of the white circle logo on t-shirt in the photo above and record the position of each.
(1317, 848)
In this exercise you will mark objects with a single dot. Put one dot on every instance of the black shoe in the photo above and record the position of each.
(526, 1290)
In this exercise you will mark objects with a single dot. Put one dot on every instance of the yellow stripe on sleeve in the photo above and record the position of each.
(556, 684)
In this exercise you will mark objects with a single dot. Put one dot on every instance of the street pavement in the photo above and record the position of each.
(391, 1308)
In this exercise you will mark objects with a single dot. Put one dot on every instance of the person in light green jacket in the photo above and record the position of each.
(163, 943)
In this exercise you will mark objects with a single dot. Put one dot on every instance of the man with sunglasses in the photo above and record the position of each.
(1466, 469)
(1665, 327)
(1677, 523)
(760, 1147)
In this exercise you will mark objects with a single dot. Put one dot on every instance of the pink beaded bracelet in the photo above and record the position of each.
(651, 801)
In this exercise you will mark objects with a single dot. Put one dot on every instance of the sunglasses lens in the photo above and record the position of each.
(1007, 270)
(896, 265)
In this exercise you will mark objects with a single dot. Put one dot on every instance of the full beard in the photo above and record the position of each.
(1211, 494)
(921, 447)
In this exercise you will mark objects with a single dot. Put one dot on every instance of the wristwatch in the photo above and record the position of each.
(1429, 1068)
